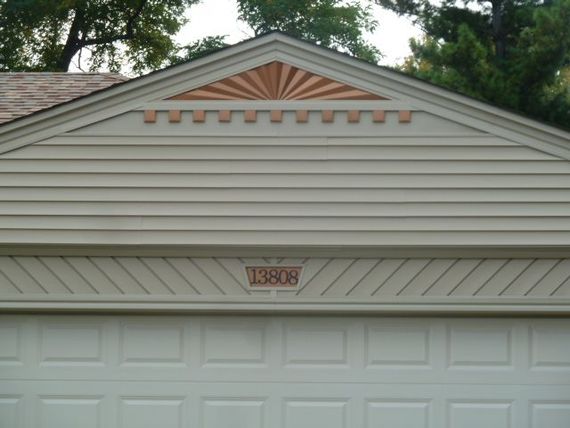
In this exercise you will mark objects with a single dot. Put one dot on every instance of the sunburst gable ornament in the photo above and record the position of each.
(277, 81)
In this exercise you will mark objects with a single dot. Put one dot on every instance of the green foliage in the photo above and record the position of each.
(44, 35)
(138, 35)
(514, 53)
(331, 23)
(199, 48)
(465, 66)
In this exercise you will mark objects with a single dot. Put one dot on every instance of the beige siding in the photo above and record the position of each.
(131, 123)
(377, 187)
(364, 279)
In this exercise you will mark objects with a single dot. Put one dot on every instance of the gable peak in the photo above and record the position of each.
(277, 81)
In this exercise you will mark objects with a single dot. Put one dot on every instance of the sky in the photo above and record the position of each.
(219, 17)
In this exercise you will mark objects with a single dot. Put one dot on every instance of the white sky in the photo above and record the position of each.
(219, 17)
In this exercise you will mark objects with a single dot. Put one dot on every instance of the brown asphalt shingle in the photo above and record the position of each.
(25, 93)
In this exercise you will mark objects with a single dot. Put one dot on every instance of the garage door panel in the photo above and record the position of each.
(86, 340)
(234, 344)
(11, 344)
(400, 345)
(286, 349)
(11, 411)
(310, 412)
(474, 414)
(231, 412)
(178, 403)
(549, 344)
(551, 414)
(317, 344)
(151, 412)
(69, 411)
(127, 371)
(479, 346)
(398, 413)
(152, 344)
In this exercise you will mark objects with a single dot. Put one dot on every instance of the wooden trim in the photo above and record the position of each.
(250, 116)
(353, 116)
(276, 116)
(302, 116)
(405, 116)
(198, 116)
(327, 116)
(149, 116)
(378, 116)
(225, 116)
(174, 116)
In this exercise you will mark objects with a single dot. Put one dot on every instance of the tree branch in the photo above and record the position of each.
(127, 35)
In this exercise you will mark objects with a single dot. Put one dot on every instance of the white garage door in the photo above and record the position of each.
(294, 372)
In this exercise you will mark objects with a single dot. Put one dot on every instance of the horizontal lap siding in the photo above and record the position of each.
(282, 153)
(284, 181)
(457, 188)
(281, 223)
(466, 197)
(277, 209)
(328, 238)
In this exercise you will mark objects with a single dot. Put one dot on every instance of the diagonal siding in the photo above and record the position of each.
(364, 278)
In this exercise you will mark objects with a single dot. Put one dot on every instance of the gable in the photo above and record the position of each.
(271, 147)
(277, 98)
(277, 81)
(277, 48)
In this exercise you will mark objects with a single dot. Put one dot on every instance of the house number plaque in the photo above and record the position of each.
(274, 277)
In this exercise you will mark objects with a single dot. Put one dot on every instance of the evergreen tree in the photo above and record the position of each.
(514, 53)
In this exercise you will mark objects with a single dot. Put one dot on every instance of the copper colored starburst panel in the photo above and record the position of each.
(277, 81)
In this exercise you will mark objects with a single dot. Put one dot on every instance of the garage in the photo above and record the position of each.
(277, 235)
(240, 371)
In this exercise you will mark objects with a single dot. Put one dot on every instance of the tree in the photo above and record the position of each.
(44, 35)
(335, 24)
(514, 53)
(197, 49)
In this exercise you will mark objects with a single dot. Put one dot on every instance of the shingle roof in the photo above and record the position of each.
(24, 93)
